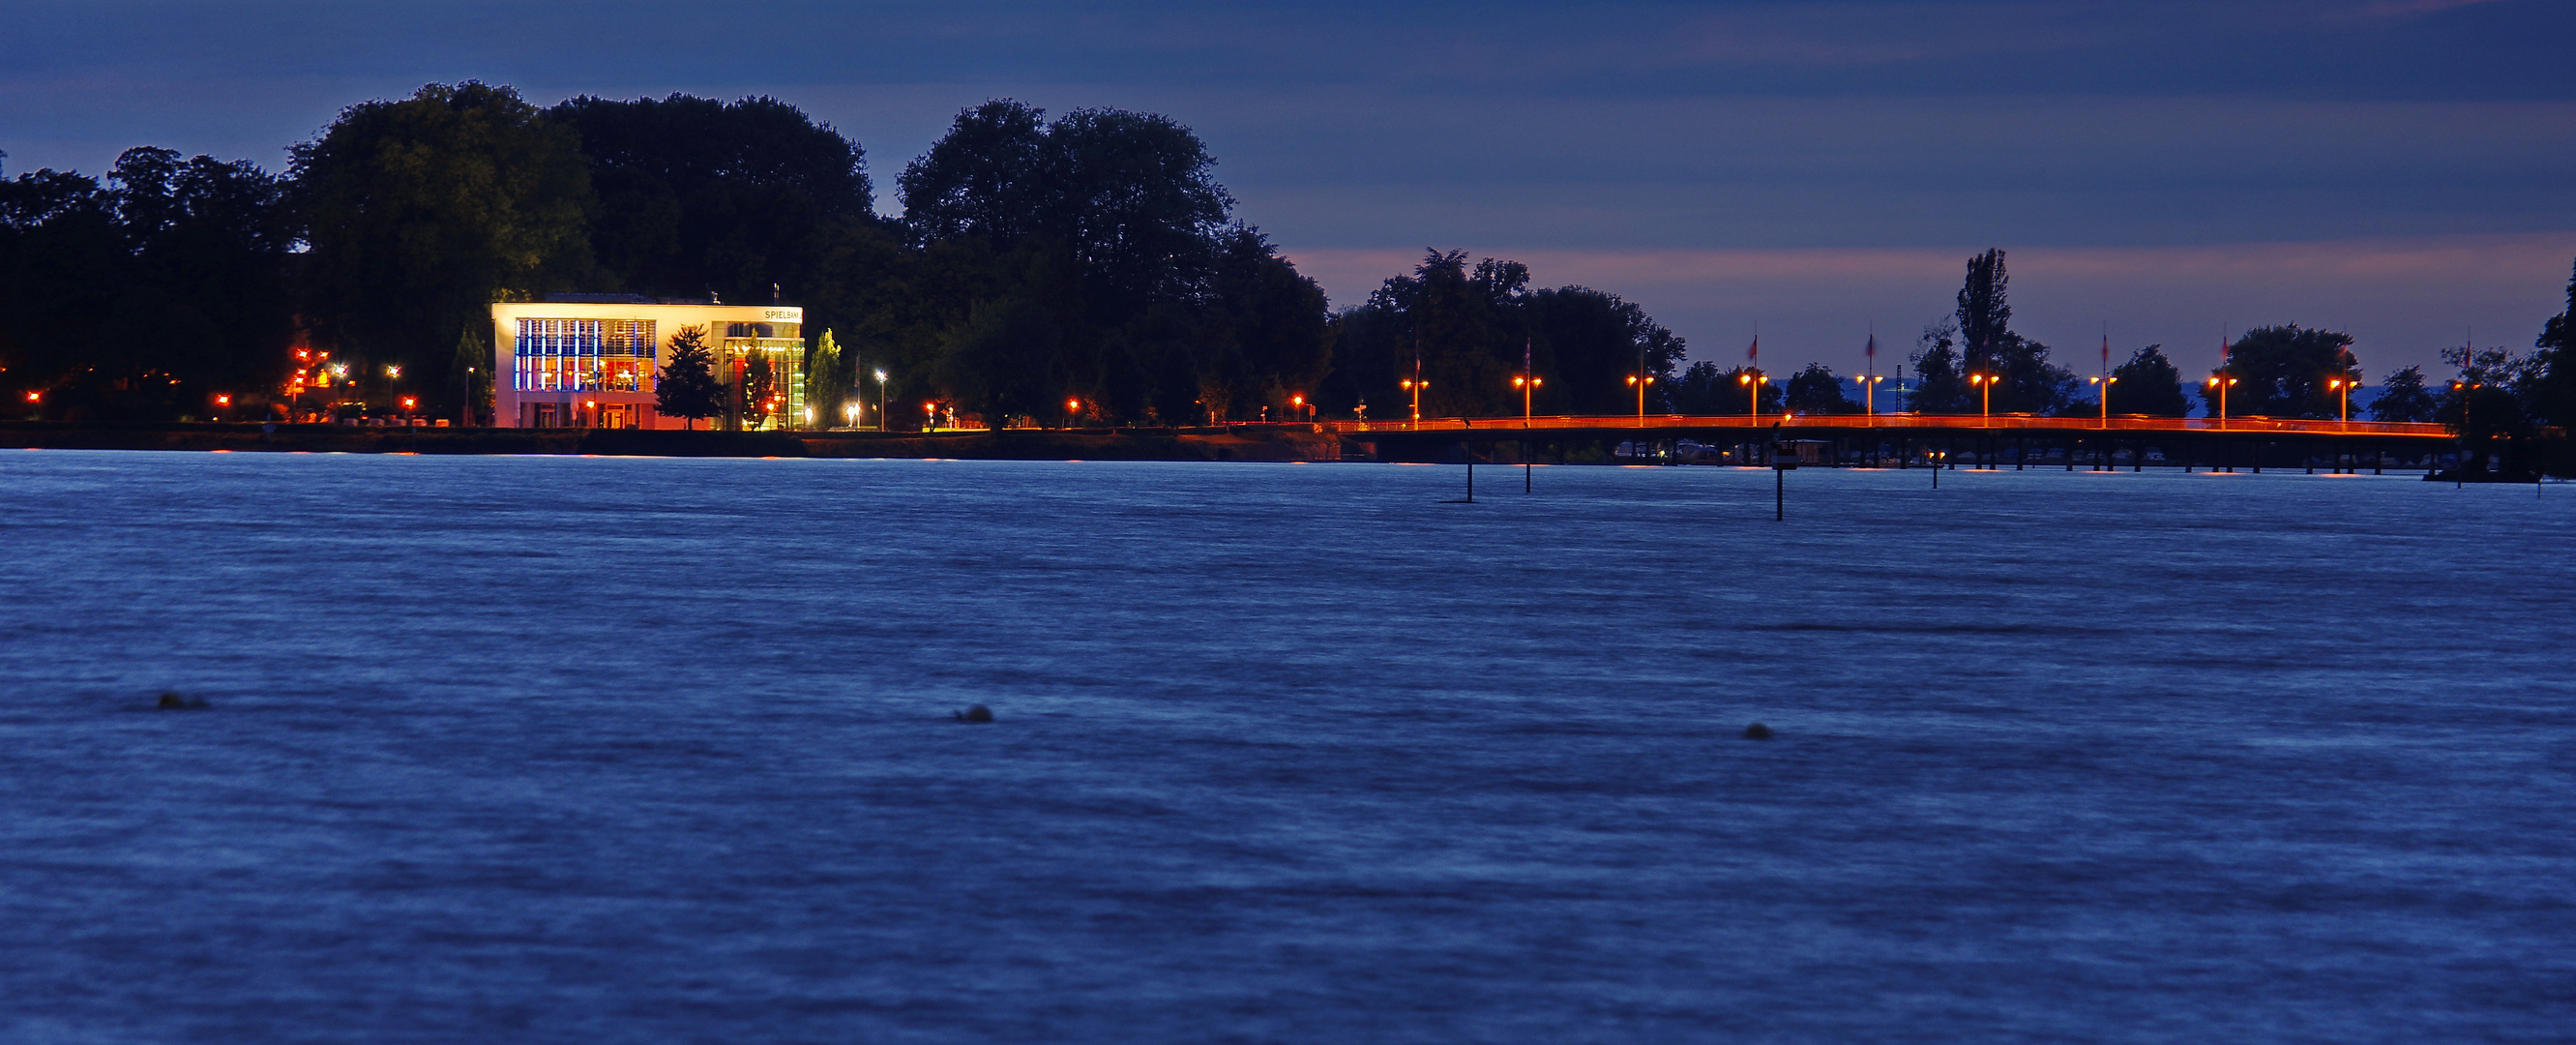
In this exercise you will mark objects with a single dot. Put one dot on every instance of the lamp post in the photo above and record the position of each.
(1639, 382)
(929, 417)
(2104, 383)
(1753, 392)
(850, 414)
(1985, 397)
(1072, 412)
(2343, 388)
(392, 374)
(1415, 385)
(1527, 383)
(2222, 384)
(881, 401)
(1869, 394)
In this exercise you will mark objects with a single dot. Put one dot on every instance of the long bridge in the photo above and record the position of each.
(1920, 440)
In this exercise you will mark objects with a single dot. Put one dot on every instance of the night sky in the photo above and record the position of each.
(2404, 169)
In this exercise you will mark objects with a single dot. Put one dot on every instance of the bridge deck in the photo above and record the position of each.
(1946, 423)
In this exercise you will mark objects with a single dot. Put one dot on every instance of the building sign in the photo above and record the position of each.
(783, 315)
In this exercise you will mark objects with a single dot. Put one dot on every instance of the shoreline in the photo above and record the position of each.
(1266, 444)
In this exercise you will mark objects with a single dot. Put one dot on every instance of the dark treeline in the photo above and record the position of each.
(1086, 268)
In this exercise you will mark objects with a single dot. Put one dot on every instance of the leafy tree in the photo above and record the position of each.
(688, 387)
(759, 392)
(1005, 361)
(1818, 390)
(1940, 380)
(2281, 371)
(2025, 381)
(830, 373)
(1589, 343)
(698, 195)
(2149, 384)
(421, 212)
(2552, 394)
(1705, 389)
(2402, 397)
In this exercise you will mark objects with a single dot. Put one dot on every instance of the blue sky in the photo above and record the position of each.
(2404, 169)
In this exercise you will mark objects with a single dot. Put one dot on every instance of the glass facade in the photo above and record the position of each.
(783, 345)
(580, 355)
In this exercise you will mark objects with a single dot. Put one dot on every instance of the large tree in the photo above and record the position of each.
(145, 297)
(2024, 381)
(2149, 384)
(2553, 391)
(1818, 390)
(2282, 371)
(699, 196)
(421, 212)
(688, 387)
(2402, 397)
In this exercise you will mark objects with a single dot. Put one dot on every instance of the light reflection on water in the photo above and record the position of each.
(554, 749)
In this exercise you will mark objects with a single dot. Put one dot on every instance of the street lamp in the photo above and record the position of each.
(2105, 384)
(1527, 384)
(1985, 396)
(2222, 384)
(392, 374)
(1072, 412)
(1640, 383)
(1415, 385)
(2343, 389)
(850, 414)
(1869, 393)
(881, 401)
(1753, 391)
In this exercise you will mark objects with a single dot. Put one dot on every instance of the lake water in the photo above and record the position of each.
(589, 750)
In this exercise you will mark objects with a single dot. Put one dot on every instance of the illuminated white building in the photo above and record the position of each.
(592, 360)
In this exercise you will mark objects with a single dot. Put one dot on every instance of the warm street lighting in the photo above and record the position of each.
(1527, 384)
(1640, 383)
(2105, 384)
(1415, 385)
(1753, 391)
(1869, 394)
(2343, 387)
(850, 414)
(881, 400)
(2222, 385)
(1985, 395)
(35, 397)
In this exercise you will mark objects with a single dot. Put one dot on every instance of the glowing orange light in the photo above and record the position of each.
(35, 397)
(223, 400)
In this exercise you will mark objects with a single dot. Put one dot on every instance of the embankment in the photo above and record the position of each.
(1264, 444)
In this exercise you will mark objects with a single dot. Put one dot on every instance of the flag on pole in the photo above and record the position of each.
(2106, 353)
(1525, 357)
(1871, 350)
(1754, 354)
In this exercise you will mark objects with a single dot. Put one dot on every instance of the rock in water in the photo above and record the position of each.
(977, 713)
(1757, 731)
(171, 700)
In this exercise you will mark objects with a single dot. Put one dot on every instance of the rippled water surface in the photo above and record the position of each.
(590, 750)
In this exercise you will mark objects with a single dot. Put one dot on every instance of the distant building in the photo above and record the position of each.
(591, 360)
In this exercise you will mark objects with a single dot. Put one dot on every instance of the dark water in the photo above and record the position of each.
(566, 750)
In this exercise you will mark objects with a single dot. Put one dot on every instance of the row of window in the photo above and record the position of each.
(587, 337)
(579, 374)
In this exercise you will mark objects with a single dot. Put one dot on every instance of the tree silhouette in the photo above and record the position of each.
(688, 387)
(2402, 397)
(2150, 384)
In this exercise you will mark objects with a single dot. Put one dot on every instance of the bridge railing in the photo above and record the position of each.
(1944, 422)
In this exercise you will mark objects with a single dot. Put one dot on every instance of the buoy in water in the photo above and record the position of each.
(977, 713)
(175, 702)
(1757, 731)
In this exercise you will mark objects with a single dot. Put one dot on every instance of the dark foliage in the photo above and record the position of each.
(1818, 390)
(145, 297)
(2282, 371)
(2149, 384)
(698, 196)
(422, 212)
(688, 387)
(2403, 397)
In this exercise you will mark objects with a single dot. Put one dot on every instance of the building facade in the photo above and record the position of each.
(592, 361)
